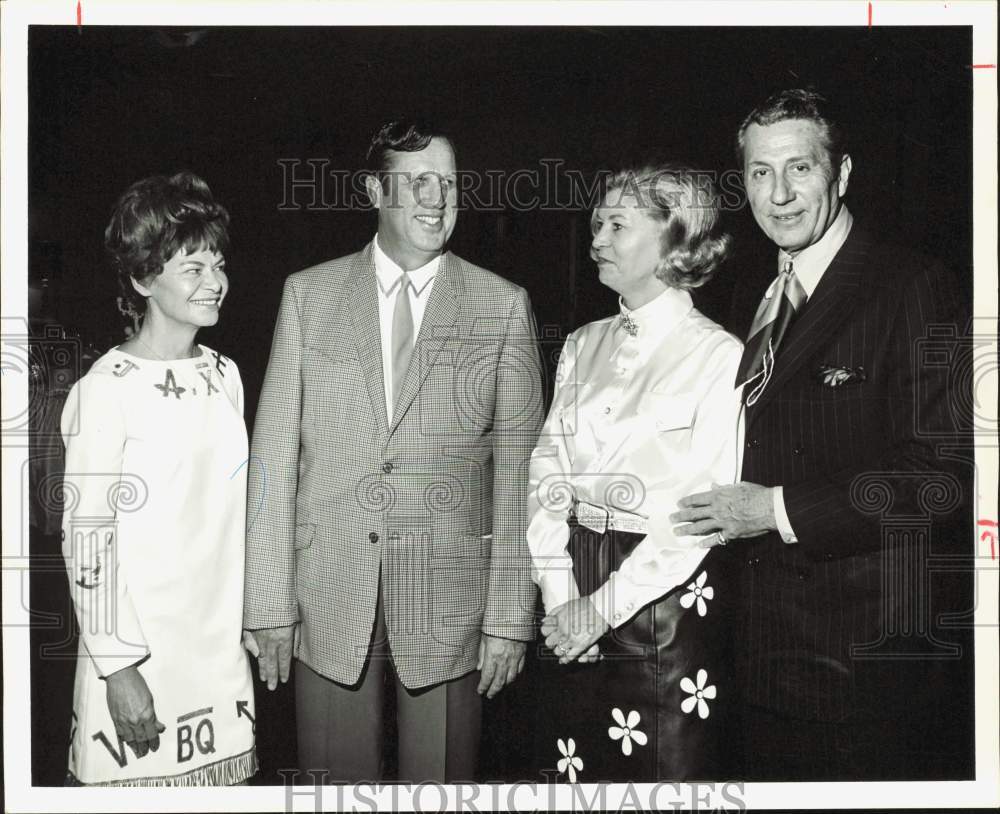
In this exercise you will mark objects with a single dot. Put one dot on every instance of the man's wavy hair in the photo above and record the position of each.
(798, 103)
(686, 202)
(155, 219)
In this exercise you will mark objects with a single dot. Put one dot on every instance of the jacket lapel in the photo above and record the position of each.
(363, 310)
(835, 298)
(437, 327)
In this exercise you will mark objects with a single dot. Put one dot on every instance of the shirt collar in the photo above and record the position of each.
(387, 272)
(810, 263)
(659, 316)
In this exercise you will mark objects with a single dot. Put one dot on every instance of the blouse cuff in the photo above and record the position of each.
(558, 585)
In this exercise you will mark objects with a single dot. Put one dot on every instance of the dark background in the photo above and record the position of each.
(109, 105)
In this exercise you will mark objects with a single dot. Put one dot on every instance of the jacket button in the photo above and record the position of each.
(801, 575)
(753, 561)
(387, 467)
(753, 443)
(798, 450)
(373, 537)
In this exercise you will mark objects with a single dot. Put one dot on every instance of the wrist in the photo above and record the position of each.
(598, 618)
(123, 674)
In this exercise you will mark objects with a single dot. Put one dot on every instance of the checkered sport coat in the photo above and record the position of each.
(434, 502)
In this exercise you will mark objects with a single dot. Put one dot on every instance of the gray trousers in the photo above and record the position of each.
(340, 726)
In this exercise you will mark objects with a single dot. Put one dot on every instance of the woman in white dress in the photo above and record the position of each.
(644, 412)
(155, 501)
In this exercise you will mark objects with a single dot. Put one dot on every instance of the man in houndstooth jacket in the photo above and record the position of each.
(386, 542)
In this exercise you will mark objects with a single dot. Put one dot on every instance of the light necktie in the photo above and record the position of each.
(770, 324)
(402, 336)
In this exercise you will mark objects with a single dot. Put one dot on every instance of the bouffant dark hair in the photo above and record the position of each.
(155, 219)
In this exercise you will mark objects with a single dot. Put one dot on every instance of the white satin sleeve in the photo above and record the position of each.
(550, 493)
(662, 560)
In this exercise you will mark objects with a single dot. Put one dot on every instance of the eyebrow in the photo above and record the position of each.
(220, 262)
(422, 173)
(786, 161)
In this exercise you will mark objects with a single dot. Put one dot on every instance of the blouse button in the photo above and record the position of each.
(607, 411)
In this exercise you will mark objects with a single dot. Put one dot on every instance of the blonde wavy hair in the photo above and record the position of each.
(686, 202)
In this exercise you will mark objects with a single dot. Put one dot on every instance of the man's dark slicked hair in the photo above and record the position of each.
(798, 103)
(400, 135)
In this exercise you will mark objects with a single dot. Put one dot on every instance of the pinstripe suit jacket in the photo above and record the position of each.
(817, 621)
(434, 501)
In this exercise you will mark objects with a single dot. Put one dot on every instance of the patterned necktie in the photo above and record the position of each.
(770, 324)
(402, 336)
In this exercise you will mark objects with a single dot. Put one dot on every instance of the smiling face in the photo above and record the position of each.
(794, 191)
(626, 248)
(189, 291)
(416, 204)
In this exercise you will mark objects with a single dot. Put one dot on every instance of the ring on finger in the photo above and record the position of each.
(721, 536)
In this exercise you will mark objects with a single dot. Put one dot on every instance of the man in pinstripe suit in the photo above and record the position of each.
(837, 411)
(401, 404)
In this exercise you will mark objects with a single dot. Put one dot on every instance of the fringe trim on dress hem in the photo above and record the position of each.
(226, 772)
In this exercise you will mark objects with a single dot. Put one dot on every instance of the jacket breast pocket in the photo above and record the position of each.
(332, 387)
(326, 357)
(667, 412)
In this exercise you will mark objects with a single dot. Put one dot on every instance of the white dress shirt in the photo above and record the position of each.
(809, 266)
(636, 423)
(387, 275)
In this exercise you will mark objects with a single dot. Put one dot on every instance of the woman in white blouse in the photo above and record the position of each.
(644, 412)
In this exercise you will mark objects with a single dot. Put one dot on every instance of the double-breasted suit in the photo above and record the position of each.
(432, 504)
(851, 425)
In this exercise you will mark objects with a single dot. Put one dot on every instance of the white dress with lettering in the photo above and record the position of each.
(153, 536)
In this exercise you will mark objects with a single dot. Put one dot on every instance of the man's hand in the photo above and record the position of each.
(500, 662)
(738, 510)
(572, 630)
(131, 706)
(273, 648)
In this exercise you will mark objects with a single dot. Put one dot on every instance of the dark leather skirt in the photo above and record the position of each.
(655, 708)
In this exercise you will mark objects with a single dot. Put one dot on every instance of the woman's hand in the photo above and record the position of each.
(131, 706)
(572, 630)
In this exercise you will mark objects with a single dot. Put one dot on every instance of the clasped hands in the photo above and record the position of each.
(572, 629)
(735, 511)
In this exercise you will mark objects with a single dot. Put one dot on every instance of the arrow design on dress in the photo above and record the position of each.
(121, 758)
(243, 708)
(220, 362)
